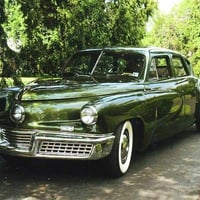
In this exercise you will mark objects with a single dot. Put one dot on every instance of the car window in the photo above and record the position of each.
(107, 63)
(159, 68)
(179, 66)
(100, 63)
(82, 62)
(120, 63)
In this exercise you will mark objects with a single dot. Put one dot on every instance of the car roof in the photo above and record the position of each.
(144, 50)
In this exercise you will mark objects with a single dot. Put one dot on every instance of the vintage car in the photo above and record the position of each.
(106, 104)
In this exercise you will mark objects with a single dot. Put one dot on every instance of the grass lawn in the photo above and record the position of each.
(25, 80)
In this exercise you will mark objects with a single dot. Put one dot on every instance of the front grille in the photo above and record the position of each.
(64, 148)
(18, 139)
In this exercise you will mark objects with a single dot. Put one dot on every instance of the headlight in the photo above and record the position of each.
(89, 115)
(17, 114)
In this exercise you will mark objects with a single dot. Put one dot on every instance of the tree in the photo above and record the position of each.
(2, 20)
(179, 30)
(129, 20)
(11, 29)
(52, 30)
(191, 28)
(2, 38)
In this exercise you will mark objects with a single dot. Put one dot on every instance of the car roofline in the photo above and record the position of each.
(145, 50)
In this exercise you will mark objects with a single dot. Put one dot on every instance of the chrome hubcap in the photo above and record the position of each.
(125, 146)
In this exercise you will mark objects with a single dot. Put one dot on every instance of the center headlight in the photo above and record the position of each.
(89, 115)
(17, 114)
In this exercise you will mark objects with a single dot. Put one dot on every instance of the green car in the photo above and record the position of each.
(106, 104)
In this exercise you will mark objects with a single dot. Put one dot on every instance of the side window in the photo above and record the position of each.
(179, 66)
(159, 68)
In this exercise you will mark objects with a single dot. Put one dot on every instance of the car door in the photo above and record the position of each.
(188, 82)
(167, 94)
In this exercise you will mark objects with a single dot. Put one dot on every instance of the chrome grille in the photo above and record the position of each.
(18, 139)
(65, 148)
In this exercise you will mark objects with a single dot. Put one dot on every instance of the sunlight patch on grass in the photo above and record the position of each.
(25, 80)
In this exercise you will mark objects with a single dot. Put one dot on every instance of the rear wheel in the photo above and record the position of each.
(120, 158)
(198, 124)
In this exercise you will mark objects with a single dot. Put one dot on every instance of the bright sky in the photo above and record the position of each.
(166, 5)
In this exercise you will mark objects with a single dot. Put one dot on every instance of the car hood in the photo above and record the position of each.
(56, 89)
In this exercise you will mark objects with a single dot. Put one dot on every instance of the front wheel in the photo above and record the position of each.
(120, 158)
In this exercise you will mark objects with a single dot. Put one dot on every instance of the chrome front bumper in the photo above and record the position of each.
(63, 145)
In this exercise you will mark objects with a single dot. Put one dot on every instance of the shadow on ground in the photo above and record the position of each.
(164, 171)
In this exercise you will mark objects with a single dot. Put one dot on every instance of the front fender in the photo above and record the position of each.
(112, 111)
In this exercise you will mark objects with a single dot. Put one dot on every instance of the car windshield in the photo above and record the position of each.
(98, 63)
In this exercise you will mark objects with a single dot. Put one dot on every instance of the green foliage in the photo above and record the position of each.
(14, 27)
(179, 30)
(50, 31)
(129, 20)
(2, 19)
